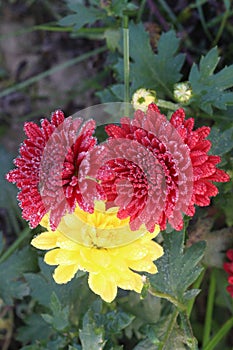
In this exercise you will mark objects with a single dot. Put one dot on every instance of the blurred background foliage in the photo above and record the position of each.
(69, 55)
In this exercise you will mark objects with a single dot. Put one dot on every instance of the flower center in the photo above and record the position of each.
(101, 229)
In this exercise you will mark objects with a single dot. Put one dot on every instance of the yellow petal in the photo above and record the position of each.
(143, 265)
(46, 240)
(131, 281)
(107, 289)
(67, 257)
(64, 274)
(51, 257)
(100, 257)
(134, 251)
(45, 221)
(66, 243)
(155, 251)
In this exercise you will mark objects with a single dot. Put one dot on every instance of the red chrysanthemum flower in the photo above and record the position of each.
(228, 267)
(178, 151)
(48, 167)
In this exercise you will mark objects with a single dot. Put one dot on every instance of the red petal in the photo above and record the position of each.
(177, 118)
(219, 176)
(115, 131)
(153, 107)
(57, 118)
(230, 254)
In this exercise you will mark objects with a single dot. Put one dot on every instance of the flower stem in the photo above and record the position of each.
(15, 245)
(125, 25)
(223, 23)
(219, 335)
(209, 310)
(169, 330)
(172, 300)
(203, 21)
(186, 326)
(50, 71)
(167, 105)
(140, 10)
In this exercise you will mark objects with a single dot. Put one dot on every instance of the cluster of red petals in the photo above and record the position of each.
(152, 169)
(47, 170)
(204, 165)
(228, 267)
(194, 143)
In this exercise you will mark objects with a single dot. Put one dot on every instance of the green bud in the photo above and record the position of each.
(182, 92)
(142, 98)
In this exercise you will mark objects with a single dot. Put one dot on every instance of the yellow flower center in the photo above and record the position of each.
(102, 229)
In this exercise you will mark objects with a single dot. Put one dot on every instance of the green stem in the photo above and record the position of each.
(172, 300)
(48, 72)
(186, 326)
(219, 335)
(209, 310)
(126, 56)
(167, 105)
(24, 234)
(222, 25)
(203, 21)
(196, 285)
(51, 27)
(141, 9)
(169, 330)
(169, 11)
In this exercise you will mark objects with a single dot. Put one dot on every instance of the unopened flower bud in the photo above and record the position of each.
(182, 92)
(142, 98)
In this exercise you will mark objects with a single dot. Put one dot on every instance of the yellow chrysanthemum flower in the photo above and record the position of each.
(102, 245)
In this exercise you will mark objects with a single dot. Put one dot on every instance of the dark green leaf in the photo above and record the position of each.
(112, 37)
(29, 333)
(160, 71)
(209, 88)
(91, 335)
(148, 309)
(60, 316)
(11, 272)
(222, 141)
(157, 334)
(42, 286)
(117, 321)
(8, 191)
(145, 345)
(84, 15)
(177, 268)
(1, 243)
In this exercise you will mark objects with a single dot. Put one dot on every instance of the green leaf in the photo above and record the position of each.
(91, 335)
(222, 141)
(154, 71)
(60, 316)
(145, 345)
(147, 310)
(29, 332)
(209, 88)
(8, 191)
(177, 268)
(158, 335)
(84, 15)
(112, 37)
(117, 321)
(1, 243)
(11, 272)
(121, 7)
(76, 347)
(42, 286)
